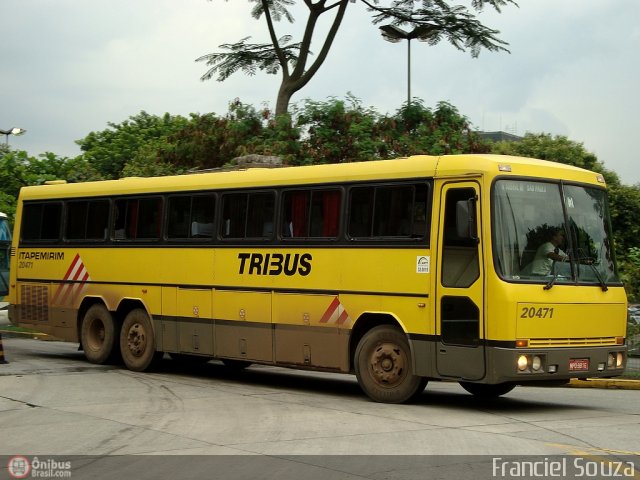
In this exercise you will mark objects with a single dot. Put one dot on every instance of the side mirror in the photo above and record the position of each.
(466, 219)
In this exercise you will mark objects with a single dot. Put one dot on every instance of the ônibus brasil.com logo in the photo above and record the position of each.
(21, 467)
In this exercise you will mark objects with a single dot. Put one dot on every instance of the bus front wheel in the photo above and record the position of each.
(137, 342)
(98, 334)
(383, 366)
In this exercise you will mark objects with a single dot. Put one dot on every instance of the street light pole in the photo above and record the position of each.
(395, 34)
(408, 71)
(14, 131)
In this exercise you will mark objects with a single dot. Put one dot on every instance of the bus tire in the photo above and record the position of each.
(98, 334)
(137, 342)
(383, 366)
(482, 390)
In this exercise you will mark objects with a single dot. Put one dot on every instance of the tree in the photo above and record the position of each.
(418, 130)
(556, 148)
(437, 20)
(109, 150)
(210, 141)
(630, 273)
(337, 132)
(624, 204)
(18, 169)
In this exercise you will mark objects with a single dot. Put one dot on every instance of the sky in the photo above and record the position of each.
(69, 67)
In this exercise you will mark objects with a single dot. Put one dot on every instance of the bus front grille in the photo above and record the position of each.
(571, 342)
(34, 303)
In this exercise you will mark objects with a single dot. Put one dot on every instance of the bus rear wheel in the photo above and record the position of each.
(482, 390)
(137, 342)
(383, 366)
(98, 334)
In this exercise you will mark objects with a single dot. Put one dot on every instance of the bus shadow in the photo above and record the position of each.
(313, 383)
(277, 378)
(305, 382)
(509, 403)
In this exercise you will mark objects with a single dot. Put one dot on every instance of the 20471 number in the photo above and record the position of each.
(536, 312)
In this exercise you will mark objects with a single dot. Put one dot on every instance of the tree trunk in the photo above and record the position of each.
(284, 97)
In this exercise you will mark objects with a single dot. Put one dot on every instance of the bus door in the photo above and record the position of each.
(459, 287)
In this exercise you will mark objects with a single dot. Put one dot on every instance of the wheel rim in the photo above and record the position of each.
(96, 334)
(388, 364)
(137, 340)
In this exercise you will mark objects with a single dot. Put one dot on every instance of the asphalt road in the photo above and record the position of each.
(268, 410)
(268, 422)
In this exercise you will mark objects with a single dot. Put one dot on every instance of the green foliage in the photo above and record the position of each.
(629, 268)
(109, 150)
(210, 141)
(444, 131)
(333, 131)
(147, 163)
(18, 169)
(624, 204)
(337, 132)
(556, 148)
(248, 57)
(8, 205)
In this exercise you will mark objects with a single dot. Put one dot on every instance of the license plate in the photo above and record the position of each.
(578, 364)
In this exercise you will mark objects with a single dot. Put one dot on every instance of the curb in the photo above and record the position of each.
(13, 333)
(606, 383)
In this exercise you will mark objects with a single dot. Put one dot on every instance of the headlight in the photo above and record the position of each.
(619, 360)
(611, 360)
(522, 363)
(536, 363)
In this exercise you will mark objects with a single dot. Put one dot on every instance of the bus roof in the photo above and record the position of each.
(418, 166)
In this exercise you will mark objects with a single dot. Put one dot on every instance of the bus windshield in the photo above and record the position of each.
(552, 232)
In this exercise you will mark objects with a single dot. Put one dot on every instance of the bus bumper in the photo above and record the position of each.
(552, 364)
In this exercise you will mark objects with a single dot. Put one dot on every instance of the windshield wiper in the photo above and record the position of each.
(603, 285)
(585, 260)
(552, 282)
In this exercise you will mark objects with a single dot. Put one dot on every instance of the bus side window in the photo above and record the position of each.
(86, 220)
(311, 213)
(248, 215)
(234, 207)
(42, 221)
(260, 215)
(460, 262)
(137, 218)
(203, 208)
(191, 216)
(360, 212)
(388, 211)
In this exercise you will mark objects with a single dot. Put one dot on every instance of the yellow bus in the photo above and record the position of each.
(488, 270)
